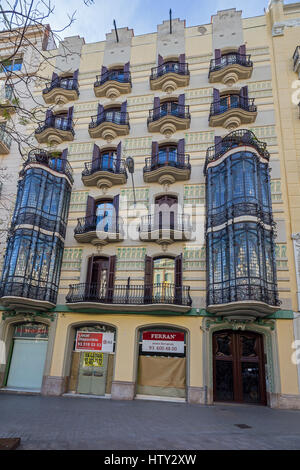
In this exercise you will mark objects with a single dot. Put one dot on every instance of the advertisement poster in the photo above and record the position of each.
(156, 341)
(93, 341)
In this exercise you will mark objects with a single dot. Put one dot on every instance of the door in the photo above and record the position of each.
(167, 155)
(108, 160)
(239, 373)
(27, 364)
(105, 216)
(92, 373)
(166, 212)
(99, 278)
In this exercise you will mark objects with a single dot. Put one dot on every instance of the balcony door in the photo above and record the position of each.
(239, 374)
(113, 115)
(107, 160)
(166, 210)
(169, 107)
(167, 155)
(228, 102)
(105, 216)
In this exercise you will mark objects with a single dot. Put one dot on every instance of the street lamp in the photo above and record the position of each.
(130, 167)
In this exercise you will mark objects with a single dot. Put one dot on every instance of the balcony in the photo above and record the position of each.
(98, 231)
(169, 76)
(39, 157)
(166, 168)
(165, 228)
(108, 125)
(112, 84)
(61, 91)
(7, 102)
(55, 130)
(249, 299)
(232, 111)
(230, 68)
(23, 295)
(241, 138)
(104, 171)
(5, 141)
(169, 118)
(130, 298)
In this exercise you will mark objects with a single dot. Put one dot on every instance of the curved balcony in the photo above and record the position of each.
(104, 171)
(169, 118)
(165, 228)
(247, 300)
(108, 125)
(169, 76)
(230, 68)
(61, 90)
(112, 84)
(166, 168)
(98, 231)
(25, 295)
(5, 142)
(129, 298)
(233, 112)
(39, 157)
(55, 130)
(240, 138)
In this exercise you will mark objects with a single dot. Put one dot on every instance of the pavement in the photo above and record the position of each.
(67, 423)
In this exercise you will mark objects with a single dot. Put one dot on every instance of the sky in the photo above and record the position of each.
(94, 21)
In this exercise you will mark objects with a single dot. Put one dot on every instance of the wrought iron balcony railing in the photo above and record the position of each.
(219, 107)
(239, 209)
(95, 223)
(172, 109)
(5, 138)
(116, 117)
(35, 217)
(45, 158)
(61, 82)
(235, 139)
(162, 293)
(115, 75)
(105, 163)
(173, 159)
(230, 59)
(166, 221)
(247, 289)
(57, 122)
(169, 67)
(296, 57)
(29, 288)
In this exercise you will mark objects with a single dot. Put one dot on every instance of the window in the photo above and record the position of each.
(13, 65)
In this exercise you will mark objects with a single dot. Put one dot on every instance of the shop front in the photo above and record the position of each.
(26, 361)
(162, 362)
(92, 362)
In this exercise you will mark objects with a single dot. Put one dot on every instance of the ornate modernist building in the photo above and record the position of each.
(163, 266)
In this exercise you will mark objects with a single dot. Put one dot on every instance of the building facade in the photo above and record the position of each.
(165, 265)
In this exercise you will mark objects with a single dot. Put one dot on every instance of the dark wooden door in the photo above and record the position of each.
(239, 372)
(166, 212)
(99, 277)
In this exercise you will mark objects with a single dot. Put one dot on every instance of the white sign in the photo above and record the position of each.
(156, 341)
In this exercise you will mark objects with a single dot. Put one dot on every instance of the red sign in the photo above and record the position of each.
(164, 342)
(92, 341)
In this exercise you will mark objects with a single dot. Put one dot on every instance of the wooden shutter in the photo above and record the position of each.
(156, 107)
(90, 207)
(178, 279)
(181, 148)
(95, 158)
(116, 203)
(148, 280)
(242, 50)
(70, 116)
(216, 101)
(181, 63)
(218, 56)
(160, 60)
(100, 110)
(123, 111)
(89, 270)
(75, 78)
(154, 154)
(126, 71)
(218, 143)
(54, 77)
(244, 96)
(181, 105)
(119, 155)
(103, 72)
(49, 115)
(111, 277)
(64, 157)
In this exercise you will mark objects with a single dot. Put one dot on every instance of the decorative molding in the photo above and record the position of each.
(199, 96)
(276, 191)
(194, 258)
(281, 256)
(127, 197)
(78, 201)
(29, 316)
(194, 194)
(197, 141)
(139, 146)
(72, 259)
(131, 258)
